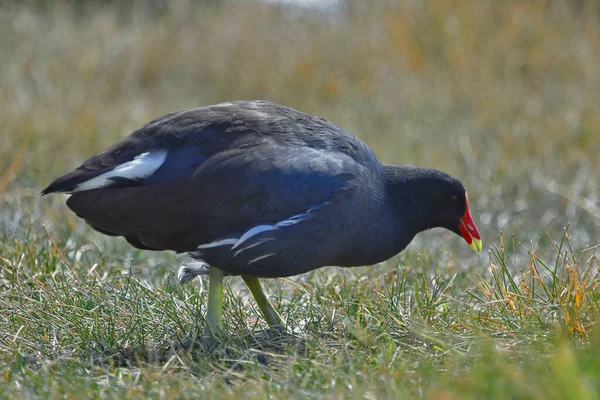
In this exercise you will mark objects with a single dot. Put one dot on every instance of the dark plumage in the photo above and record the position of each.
(263, 190)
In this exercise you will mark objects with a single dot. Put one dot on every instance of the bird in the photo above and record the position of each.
(259, 190)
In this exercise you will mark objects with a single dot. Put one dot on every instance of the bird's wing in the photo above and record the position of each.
(182, 180)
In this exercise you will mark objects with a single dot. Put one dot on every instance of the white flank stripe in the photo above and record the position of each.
(218, 243)
(260, 258)
(141, 167)
(261, 241)
(292, 220)
(235, 243)
(254, 231)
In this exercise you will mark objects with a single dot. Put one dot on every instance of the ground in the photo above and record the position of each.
(503, 95)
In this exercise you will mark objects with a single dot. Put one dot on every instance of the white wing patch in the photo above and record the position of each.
(141, 167)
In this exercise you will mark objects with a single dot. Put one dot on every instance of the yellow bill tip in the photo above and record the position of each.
(476, 245)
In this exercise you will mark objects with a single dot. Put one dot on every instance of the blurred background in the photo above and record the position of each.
(502, 94)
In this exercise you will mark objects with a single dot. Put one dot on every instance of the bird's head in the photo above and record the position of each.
(451, 211)
(442, 201)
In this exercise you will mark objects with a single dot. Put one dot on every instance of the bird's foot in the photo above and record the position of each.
(190, 269)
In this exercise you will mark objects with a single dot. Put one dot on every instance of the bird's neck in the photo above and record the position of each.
(393, 224)
(407, 198)
(406, 211)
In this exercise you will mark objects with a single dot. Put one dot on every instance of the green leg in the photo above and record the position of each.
(271, 315)
(214, 310)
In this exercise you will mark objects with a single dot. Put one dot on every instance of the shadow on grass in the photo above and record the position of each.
(262, 346)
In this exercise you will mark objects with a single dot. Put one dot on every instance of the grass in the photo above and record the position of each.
(500, 94)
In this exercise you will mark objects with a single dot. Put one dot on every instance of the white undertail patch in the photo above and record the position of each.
(141, 167)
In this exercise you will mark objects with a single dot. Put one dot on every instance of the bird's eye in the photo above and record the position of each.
(454, 198)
